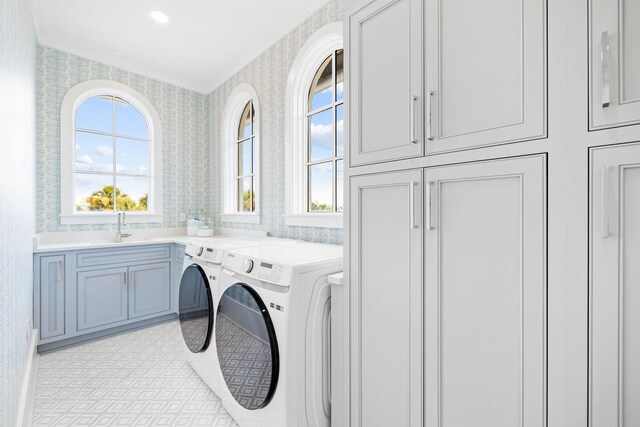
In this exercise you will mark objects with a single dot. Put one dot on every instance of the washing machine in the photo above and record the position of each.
(197, 295)
(272, 334)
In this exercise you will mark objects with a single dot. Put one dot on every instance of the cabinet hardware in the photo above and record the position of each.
(429, 225)
(429, 126)
(412, 122)
(125, 278)
(412, 205)
(605, 50)
(605, 201)
(60, 272)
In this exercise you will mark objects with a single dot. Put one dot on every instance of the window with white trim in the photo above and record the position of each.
(241, 157)
(314, 139)
(246, 194)
(325, 143)
(110, 155)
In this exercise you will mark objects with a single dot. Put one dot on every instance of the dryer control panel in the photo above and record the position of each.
(258, 269)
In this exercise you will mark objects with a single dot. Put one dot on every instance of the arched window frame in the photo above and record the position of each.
(233, 109)
(313, 53)
(72, 100)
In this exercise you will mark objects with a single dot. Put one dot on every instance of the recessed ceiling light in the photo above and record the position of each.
(160, 17)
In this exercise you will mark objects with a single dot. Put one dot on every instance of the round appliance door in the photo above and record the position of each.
(247, 347)
(195, 309)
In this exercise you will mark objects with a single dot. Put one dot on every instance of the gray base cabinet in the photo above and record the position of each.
(149, 289)
(102, 297)
(52, 296)
(79, 295)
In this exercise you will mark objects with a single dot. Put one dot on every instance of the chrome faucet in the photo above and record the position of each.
(122, 221)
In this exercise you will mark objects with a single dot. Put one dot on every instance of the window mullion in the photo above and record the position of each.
(114, 171)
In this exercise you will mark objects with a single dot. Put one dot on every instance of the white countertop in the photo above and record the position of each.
(77, 240)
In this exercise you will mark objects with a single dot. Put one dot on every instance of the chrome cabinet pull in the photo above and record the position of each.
(605, 201)
(60, 272)
(412, 205)
(605, 50)
(125, 278)
(429, 126)
(412, 122)
(429, 225)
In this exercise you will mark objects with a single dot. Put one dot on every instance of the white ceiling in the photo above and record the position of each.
(205, 42)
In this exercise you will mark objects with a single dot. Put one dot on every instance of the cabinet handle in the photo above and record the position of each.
(605, 50)
(412, 123)
(125, 278)
(429, 126)
(605, 201)
(60, 272)
(429, 225)
(412, 205)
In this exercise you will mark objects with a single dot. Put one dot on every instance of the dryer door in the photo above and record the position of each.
(247, 347)
(195, 308)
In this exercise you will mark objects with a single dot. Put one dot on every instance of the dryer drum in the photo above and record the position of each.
(196, 309)
(247, 347)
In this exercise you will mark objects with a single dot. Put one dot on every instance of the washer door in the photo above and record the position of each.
(247, 347)
(195, 308)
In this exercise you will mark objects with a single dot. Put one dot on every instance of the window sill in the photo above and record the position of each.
(328, 220)
(132, 218)
(243, 218)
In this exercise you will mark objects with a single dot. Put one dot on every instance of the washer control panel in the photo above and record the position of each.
(258, 269)
(204, 252)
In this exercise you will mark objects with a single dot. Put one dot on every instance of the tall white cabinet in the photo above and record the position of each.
(386, 299)
(614, 370)
(485, 294)
(614, 36)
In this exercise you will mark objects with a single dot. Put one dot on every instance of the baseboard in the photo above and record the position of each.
(28, 394)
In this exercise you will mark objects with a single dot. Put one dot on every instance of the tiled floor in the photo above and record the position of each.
(139, 378)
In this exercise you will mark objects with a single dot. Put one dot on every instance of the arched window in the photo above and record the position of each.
(111, 155)
(240, 157)
(315, 132)
(246, 195)
(325, 142)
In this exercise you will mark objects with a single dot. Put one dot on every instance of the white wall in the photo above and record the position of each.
(17, 201)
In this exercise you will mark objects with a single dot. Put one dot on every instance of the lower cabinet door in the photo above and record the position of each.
(485, 294)
(101, 297)
(385, 282)
(149, 289)
(52, 296)
(614, 315)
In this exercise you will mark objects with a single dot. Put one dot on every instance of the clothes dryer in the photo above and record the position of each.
(272, 334)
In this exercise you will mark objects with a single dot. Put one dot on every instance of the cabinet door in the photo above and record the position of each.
(385, 262)
(52, 296)
(102, 297)
(486, 72)
(615, 62)
(385, 81)
(149, 289)
(615, 294)
(485, 294)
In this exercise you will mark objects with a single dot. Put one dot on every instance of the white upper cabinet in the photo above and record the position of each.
(614, 374)
(385, 81)
(485, 294)
(486, 73)
(615, 63)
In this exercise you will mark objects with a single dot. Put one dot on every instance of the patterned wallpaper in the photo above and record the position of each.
(191, 126)
(182, 113)
(17, 110)
(268, 75)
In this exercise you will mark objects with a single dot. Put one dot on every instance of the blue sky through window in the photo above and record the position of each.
(101, 122)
